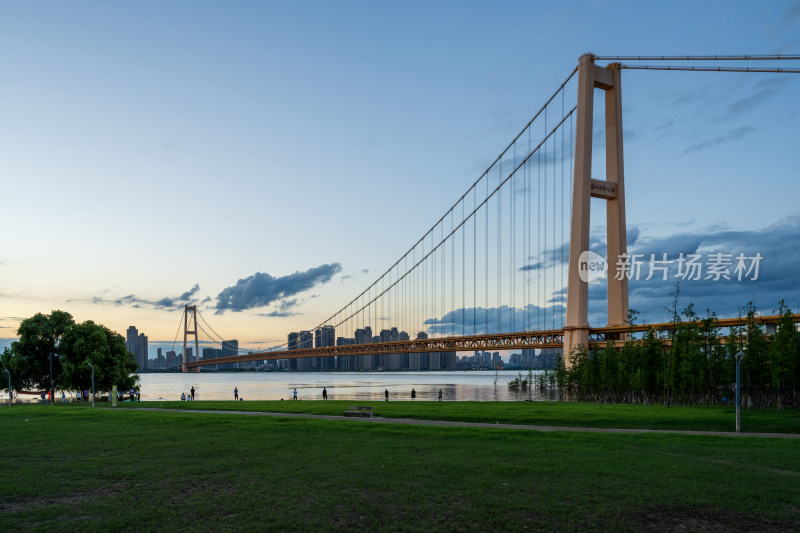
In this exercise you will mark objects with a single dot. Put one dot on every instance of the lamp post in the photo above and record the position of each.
(92, 367)
(739, 356)
(10, 394)
(51, 378)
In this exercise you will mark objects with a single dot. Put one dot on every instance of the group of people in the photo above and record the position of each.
(325, 394)
(133, 396)
(413, 394)
(236, 397)
(188, 397)
(79, 396)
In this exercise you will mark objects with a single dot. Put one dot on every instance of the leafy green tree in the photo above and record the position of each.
(755, 367)
(784, 353)
(29, 357)
(713, 352)
(93, 343)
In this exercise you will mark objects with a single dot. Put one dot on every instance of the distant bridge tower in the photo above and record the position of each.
(612, 189)
(190, 328)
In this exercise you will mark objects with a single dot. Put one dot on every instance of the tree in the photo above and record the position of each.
(29, 357)
(93, 343)
(784, 352)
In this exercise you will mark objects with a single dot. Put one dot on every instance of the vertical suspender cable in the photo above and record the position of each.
(553, 307)
(544, 218)
(444, 295)
(499, 248)
(452, 274)
(434, 277)
(512, 235)
(563, 195)
(474, 264)
(486, 262)
(525, 199)
(539, 241)
(463, 271)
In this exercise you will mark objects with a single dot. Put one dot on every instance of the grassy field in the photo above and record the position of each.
(69, 468)
(570, 414)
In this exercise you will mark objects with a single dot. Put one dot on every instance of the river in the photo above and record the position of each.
(455, 385)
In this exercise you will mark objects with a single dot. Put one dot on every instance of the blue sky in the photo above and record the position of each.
(161, 152)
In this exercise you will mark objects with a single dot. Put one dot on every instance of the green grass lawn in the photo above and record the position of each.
(570, 414)
(67, 468)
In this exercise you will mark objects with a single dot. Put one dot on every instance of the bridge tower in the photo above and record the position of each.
(190, 328)
(612, 189)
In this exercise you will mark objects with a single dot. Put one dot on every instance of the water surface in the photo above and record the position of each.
(455, 385)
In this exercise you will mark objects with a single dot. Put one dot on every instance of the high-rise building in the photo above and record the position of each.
(133, 342)
(344, 362)
(172, 359)
(325, 336)
(449, 360)
(212, 353)
(136, 343)
(142, 351)
(229, 349)
(294, 344)
(364, 336)
(132, 335)
(306, 341)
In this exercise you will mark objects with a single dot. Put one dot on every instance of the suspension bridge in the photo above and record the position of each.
(506, 266)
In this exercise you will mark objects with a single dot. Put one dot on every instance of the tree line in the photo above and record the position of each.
(73, 346)
(692, 364)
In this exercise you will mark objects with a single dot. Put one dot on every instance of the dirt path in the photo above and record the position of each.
(443, 423)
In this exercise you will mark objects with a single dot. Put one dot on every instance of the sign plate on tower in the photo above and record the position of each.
(603, 189)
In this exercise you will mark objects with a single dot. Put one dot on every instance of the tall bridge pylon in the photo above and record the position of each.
(612, 189)
(190, 328)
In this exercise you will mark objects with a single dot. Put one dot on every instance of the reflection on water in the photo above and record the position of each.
(462, 386)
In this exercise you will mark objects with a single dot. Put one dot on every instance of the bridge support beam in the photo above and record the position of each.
(612, 189)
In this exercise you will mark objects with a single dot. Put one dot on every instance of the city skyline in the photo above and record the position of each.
(260, 132)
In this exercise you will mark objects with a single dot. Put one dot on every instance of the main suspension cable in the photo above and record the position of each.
(776, 57)
(712, 69)
(485, 174)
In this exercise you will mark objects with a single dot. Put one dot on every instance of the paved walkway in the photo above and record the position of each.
(444, 423)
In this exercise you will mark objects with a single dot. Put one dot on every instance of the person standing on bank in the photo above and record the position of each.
(192, 391)
(386, 393)
(440, 395)
(324, 393)
(236, 394)
(413, 395)
(294, 394)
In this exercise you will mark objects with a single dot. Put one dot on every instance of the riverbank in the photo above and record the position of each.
(109, 468)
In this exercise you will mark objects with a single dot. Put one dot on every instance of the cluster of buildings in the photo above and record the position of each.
(324, 336)
(544, 360)
(226, 349)
(137, 344)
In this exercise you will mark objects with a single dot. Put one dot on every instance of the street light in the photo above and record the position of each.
(51, 378)
(92, 367)
(10, 394)
(739, 356)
